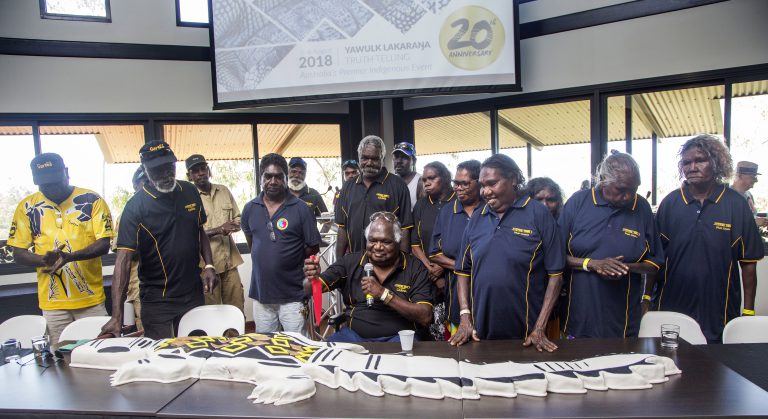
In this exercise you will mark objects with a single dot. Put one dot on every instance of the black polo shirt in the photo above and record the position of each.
(592, 228)
(356, 203)
(277, 273)
(509, 260)
(164, 229)
(703, 245)
(313, 200)
(408, 281)
(424, 216)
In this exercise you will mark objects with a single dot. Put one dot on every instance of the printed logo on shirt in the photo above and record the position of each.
(722, 226)
(44, 165)
(282, 224)
(107, 220)
(522, 231)
(382, 196)
(631, 233)
(191, 207)
(12, 231)
(402, 287)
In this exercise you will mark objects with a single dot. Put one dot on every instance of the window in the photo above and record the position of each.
(192, 13)
(672, 117)
(318, 144)
(16, 178)
(749, 125)
(558, 136)
(88, 10)
(452, 139)
(100, 158)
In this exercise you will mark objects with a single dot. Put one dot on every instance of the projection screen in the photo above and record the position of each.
(292, 51)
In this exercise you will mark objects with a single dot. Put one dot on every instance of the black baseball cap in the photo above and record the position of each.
(156, 153)
(139, 175)
(48, 168)
(297, 161)
(350, 163)
(194, 160)
(406, 148)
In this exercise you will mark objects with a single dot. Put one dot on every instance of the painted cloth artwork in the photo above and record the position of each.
(285, 367)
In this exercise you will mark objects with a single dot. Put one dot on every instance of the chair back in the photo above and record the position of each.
(213, 320)
(23, 328)
(650, 326)
(746, 329)
(85, 328)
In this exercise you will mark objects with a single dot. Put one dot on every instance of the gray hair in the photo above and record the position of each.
(387, 217)
(374, 141)
(615, 164)
(715, 150)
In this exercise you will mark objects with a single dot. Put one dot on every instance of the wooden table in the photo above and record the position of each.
(60, 390)
(748, 359)
(707, 387)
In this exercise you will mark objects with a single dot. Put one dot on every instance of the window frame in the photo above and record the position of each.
(82, 18)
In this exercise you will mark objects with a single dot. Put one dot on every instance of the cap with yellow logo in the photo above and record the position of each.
(48, 168)
(155, 153)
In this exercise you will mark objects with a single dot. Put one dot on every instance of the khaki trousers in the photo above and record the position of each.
(229, 291)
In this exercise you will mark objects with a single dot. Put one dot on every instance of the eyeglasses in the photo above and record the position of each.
(271, 229)
(462, 184)
(385, 215)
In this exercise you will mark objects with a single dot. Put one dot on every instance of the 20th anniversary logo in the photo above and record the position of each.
(472, 38)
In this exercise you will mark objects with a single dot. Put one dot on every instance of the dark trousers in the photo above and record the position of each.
(161, 318)
(348, 335)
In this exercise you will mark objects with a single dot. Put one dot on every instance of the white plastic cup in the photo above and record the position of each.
(129, 316)
(406, 340)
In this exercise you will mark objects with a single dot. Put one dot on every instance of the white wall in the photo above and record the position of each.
(721, 35)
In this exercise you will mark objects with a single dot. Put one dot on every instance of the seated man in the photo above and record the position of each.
(397, 295)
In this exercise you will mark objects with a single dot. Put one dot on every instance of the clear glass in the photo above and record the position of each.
(669, 335)
(318, 144)
(89, 167)
(749, 125)
(193, 11)
(18, 152)
(11, 350)
(452, 139)
(94, 8)
(559, 136)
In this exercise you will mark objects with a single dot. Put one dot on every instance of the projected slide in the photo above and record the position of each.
(269, 51)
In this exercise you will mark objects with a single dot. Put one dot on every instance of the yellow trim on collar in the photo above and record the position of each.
(594, 199)
(683, 195)
(717, 201)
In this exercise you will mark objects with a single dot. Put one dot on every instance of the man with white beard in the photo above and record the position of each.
(163, 222)
(297, 173)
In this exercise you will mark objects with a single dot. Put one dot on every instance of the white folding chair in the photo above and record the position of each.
(23, 328)
(85, 328)
(746, 329)
(213, 320)
(650, 326)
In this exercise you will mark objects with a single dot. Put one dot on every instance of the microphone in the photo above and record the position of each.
(368, 272)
